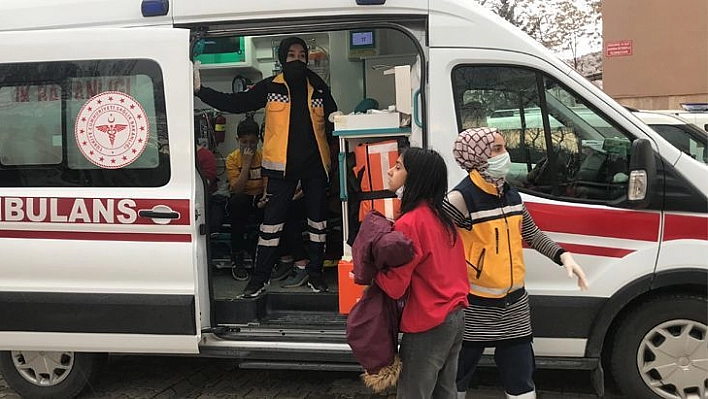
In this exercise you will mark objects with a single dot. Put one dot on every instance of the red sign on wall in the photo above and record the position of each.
(620, 48)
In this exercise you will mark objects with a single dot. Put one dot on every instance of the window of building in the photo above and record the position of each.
(85, 123)
(558, 145)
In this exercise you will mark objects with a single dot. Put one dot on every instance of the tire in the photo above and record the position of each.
(661, 350)
(71, 372)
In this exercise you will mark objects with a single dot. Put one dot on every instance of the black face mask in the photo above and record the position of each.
(294, 70)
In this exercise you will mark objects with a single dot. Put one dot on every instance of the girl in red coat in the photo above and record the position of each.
(435, 280)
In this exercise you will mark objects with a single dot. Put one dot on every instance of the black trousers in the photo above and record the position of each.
(515, 362)
(242, 206)
(280, 192)
(291, 242)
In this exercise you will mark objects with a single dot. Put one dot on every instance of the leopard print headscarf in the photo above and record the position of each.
(472, 149)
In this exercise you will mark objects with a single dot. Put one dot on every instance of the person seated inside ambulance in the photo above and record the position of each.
(246, 188)
(206, 161)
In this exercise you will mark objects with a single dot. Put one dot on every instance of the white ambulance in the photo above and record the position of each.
(103, 230)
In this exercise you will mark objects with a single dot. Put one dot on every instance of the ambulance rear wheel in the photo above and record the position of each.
(661, 349)
(39, 374)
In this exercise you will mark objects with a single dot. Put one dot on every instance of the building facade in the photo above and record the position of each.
(655, 52)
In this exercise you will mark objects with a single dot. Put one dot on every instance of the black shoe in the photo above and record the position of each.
(281, 270)
(253, 289)
(238, 272)
(238, 269)
(297, 278)
(317, 284)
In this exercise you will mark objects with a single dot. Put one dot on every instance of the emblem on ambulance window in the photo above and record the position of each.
(112, 129)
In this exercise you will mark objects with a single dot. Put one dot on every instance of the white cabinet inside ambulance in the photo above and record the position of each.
(103, 212)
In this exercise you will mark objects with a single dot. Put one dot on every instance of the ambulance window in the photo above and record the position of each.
(559, 146)
(84, 123)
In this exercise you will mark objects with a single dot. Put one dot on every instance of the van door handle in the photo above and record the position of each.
(158, 215)
(416, 117)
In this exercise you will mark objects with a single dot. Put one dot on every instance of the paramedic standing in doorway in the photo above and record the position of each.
(295, 147)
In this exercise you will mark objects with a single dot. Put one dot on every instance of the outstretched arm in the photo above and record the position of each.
(237, 103)
(539, 241)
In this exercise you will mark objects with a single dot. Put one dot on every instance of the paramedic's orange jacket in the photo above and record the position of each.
(273, 94)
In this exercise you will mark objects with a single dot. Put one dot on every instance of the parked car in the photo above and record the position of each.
(685, 136)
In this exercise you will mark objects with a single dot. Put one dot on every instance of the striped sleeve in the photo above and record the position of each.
(538, 240)
(454, 206)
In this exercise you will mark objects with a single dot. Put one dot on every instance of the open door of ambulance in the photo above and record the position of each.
(97, 207)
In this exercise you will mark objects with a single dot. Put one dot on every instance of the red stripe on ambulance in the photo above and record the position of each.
(592, 250)
(628, 225)
(597, 251)
(94, 236)
(680, 227)
(90, 210)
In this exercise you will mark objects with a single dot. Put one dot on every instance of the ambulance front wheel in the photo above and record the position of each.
(44, 375)
(661, 349)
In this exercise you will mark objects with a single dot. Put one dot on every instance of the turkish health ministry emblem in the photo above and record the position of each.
(112, 129)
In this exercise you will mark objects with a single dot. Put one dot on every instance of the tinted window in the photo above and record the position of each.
(558, 145)
(84, 123)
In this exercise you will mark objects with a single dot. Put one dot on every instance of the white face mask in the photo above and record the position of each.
(498, 166)
(399, 192)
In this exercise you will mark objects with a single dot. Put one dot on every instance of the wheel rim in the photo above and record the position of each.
(673, 359)
(43, 368)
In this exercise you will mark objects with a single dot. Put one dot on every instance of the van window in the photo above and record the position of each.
(84, 123)
(558, 145)
(686, 138)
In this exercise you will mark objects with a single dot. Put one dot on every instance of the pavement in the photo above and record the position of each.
(128, 377)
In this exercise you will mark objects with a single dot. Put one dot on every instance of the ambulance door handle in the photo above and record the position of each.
(158, 215)
(416, 107)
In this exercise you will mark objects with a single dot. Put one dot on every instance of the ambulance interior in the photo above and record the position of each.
(359, 65)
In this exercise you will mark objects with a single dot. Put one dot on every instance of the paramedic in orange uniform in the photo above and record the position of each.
(297, 104)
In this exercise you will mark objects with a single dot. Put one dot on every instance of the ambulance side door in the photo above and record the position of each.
(577, 203)
(97, 214)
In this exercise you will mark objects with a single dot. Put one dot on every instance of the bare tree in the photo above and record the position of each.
(560, 25)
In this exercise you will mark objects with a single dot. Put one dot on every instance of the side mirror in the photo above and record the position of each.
(642, 173)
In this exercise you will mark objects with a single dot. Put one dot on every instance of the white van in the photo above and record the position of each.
(695, 113)
(106, 250)
(684, 135)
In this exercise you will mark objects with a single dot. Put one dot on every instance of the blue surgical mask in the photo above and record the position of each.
(499, 166)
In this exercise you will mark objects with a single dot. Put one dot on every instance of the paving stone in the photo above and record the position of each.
(143, 377)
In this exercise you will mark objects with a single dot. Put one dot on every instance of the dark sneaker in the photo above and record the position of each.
(239, 272)
(317, 283)
(297, 278)
(253, 289)
(281, 270)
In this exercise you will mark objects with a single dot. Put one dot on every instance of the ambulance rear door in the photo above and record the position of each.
(97, 207)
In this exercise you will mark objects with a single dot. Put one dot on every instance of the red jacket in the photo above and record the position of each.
(436, 277)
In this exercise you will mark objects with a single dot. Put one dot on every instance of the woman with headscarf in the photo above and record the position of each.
(492, 221)
(296, 151)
